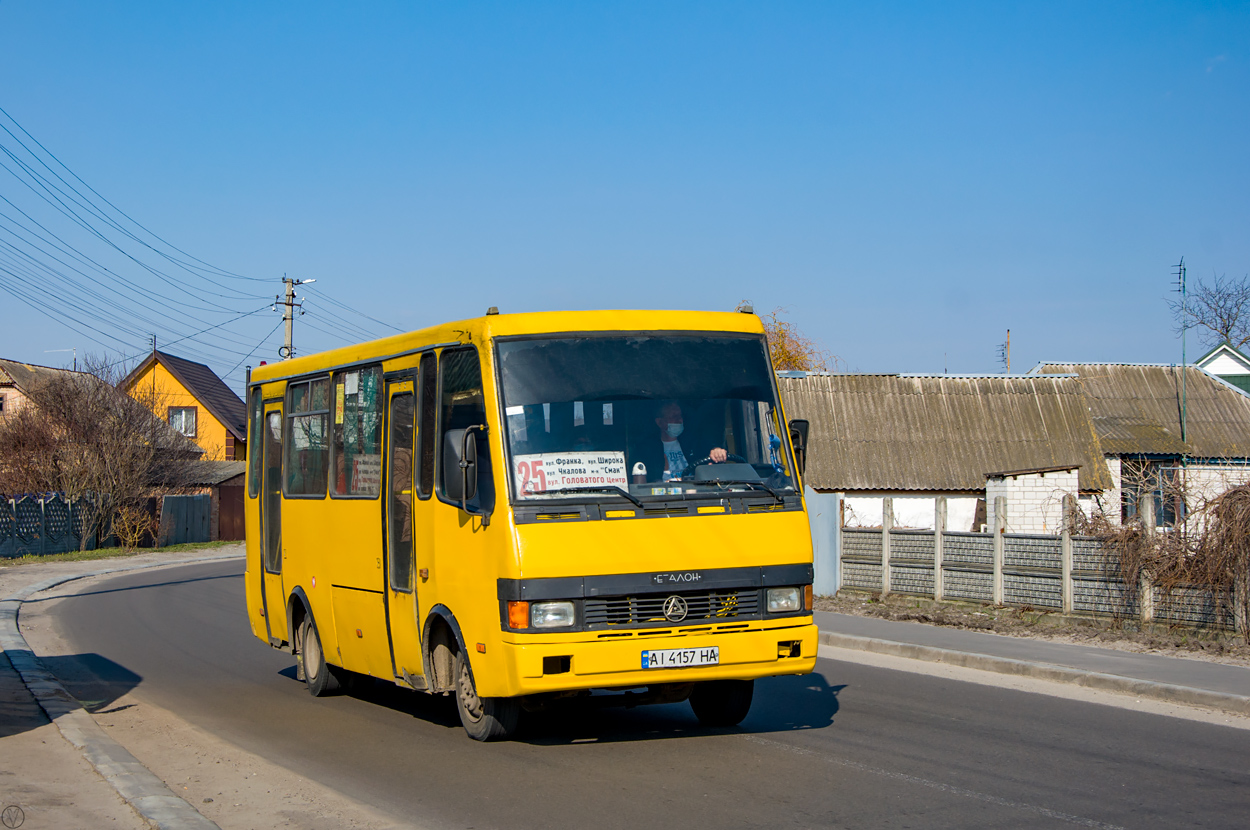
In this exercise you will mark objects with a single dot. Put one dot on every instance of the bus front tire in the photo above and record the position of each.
(320, 677)
(722, 702)
(484, 718)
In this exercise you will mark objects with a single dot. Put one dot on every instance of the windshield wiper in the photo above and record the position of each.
(724, 481)
(619, 491)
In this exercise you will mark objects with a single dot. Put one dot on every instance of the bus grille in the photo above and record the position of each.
(701, 606)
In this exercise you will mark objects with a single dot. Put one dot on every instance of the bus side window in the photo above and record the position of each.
(357, 432)
(255, 440)
(425, 423)
(463, 405)
(307, 445)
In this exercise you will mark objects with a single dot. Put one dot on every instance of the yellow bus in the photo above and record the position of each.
(520, 508)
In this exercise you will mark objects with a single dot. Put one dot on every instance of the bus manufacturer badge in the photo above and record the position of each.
(675, 609)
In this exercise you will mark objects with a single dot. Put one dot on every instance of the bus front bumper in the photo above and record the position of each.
(588, 661)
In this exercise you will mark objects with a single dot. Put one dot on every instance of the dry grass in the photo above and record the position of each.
(109, 553)
(1041, 623)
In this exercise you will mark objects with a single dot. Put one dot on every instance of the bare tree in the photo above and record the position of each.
(791, 349)
(1220, 309)
(104, 450)
(1199, 545)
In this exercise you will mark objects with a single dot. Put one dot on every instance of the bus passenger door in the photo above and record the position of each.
(400, 589)
(273, 594)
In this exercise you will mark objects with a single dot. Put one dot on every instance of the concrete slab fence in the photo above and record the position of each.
(1060, 572)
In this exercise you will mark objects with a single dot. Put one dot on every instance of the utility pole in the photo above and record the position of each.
(287, 301)
(1180, 287)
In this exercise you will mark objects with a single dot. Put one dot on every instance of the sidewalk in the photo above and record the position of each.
(56, 764)
(1196, 682)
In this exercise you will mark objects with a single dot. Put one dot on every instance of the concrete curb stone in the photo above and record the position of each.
(1044, 671)
(147, 794)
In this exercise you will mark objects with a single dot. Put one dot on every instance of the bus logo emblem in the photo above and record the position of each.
(675, 609)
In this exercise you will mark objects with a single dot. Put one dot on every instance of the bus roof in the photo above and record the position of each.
(479, 329)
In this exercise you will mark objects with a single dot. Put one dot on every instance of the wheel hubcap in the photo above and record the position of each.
(312, 654)
(469, 701)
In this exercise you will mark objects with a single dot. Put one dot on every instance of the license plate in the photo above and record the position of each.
(677, 658)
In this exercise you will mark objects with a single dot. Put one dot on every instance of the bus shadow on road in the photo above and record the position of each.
(434, 709)
(781, 704)
(95, 681)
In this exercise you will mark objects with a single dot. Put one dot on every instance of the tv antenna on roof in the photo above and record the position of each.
(74, 350)
(1180, 289)
(1004, 354)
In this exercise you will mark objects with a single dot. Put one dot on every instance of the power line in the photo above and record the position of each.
(73, 216)
(330, 299)
(262, 342)
(220, 271)
(64, 282)
(125, 312)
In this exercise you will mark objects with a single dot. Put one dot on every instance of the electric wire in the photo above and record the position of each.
(333, 301)
(137, 224)
(130, 307)
(70, 214)
(262, 342)
(48, 271)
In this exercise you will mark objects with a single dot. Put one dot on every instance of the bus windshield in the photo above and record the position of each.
(647, 414)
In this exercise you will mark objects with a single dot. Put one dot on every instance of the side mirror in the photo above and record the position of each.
(798, 440)
(460, 464)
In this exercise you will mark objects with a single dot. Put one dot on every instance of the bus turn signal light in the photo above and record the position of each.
(807, 597)
(518, 614)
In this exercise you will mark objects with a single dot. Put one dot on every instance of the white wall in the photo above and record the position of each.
(1226, 364)
(910, 511)
(1034, 501)
(1203, 482)
(1111, 501)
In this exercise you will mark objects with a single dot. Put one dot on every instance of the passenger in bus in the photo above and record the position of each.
(664, 455)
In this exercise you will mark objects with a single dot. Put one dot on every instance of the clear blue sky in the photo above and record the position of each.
(909, 181)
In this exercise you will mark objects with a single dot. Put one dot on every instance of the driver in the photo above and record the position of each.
(672, 460)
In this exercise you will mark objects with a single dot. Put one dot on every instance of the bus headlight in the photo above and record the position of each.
(551, 614)
(784, 599)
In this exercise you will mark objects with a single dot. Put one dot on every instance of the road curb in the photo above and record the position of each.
(1044, 671)
(147, 794)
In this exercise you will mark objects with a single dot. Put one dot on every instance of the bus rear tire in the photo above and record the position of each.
(321, 678)
(722, 702)
(484, 718)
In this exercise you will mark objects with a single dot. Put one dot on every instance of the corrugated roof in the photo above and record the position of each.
(212, 473)
(203, 383)
(1136, 409)
(26, 375)
(889, 432)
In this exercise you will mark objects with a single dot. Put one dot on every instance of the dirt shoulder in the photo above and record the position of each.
(1216, 647)
(16, 574)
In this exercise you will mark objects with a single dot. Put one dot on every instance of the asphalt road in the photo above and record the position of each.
(849, 746)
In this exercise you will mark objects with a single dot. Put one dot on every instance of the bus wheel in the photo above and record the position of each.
(321, 679)
(722, 702)
(484, 718)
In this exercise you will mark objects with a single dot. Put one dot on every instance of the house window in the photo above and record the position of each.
(182, 418)
(1163, 485)
(1, 404)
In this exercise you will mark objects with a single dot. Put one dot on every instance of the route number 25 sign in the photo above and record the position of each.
(541, 472)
